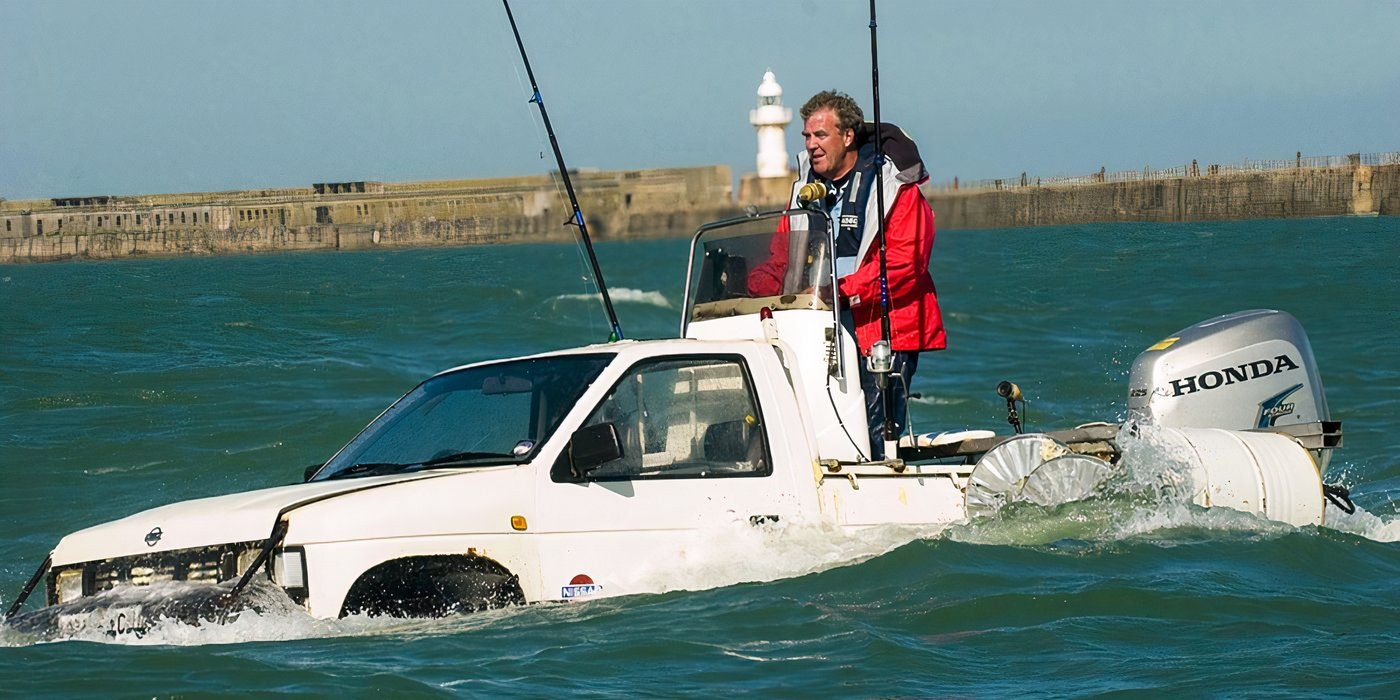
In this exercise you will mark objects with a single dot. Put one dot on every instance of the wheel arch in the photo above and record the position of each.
(432, 585)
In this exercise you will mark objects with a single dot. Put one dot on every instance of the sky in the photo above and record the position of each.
(151, 96)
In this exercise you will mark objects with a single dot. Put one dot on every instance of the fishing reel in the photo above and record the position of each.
(880, 363)
(1012, 394)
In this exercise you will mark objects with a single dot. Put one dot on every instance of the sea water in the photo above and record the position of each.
(130, 384)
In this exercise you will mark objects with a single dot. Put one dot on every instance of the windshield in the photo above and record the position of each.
(750, 265)
(491, 414)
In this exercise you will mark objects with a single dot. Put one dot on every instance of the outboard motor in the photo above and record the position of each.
(1250, 370)
(1246, 371)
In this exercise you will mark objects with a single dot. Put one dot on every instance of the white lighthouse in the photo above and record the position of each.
(770, 119)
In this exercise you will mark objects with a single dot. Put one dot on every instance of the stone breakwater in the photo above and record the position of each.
(362, 214)
(1342, 190)
(642, 204)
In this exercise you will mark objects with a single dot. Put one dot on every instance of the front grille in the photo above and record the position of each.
(215, 564)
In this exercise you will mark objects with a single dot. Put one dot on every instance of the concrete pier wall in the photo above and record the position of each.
(403, 234)
(1303, 192)
(356, 215)
(644, 204)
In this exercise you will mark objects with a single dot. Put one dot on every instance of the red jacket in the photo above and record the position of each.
(915, 320)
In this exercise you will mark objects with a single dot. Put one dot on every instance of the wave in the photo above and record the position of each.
(1115, 521)
(739, 554)
(620, 295)
(938, 400)
(1152, 495)
(725, 554)
(1365, 524)
(118, 469)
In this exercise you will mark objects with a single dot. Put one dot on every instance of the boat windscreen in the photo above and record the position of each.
(760, 262)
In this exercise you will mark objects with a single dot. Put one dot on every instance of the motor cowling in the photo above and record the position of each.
(1250, 370)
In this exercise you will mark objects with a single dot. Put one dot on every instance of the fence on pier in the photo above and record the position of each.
(1299, 162)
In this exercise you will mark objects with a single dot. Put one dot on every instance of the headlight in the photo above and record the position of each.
(69, 585)
(289, 568)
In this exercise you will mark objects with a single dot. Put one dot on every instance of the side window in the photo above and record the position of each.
(684, 418)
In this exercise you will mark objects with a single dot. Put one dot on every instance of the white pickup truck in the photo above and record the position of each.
(572, 474)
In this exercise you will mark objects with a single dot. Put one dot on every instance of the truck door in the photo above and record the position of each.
(695, 462)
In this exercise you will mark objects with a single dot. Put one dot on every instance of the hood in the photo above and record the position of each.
(237, 517)
(897, 146)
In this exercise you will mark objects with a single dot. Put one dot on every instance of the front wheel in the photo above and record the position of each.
(432, 586)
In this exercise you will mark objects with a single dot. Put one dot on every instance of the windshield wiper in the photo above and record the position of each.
(367, 468)
(377, 468)
(464, 457)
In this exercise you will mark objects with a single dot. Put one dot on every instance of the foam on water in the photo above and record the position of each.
(1150, 496)
(741, 553)
(1365, 524)
(938, 400)
(619, 295)
(248, 626)
(274, 617)
(116, 469)
(720, 556)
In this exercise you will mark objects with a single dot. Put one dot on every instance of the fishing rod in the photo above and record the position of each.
(577, 219)
(881, 361)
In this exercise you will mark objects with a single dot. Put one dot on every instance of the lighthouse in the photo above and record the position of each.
(770, 120)
(772, 184)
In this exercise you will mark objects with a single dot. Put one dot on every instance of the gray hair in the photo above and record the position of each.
(848, 114)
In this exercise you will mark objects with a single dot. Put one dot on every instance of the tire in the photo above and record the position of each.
(433, 586)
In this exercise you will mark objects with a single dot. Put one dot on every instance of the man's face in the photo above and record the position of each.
(831, 149)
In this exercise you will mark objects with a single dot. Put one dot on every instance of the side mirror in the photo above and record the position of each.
(310, 471)
(591, 447)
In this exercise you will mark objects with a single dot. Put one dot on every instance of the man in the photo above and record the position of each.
(840, 152)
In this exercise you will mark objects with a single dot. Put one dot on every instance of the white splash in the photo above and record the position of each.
(619, 295)
(1151, 495)
(279, 619)
(1372, 527)
(741, 553)
(938, 400)
(722, 555)
(124, 468)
